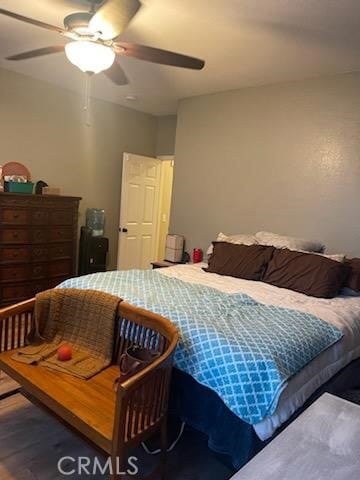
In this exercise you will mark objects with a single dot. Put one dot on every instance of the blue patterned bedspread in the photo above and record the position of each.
(242, 349)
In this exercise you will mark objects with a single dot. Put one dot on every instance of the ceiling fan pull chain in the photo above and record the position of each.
(87, 99)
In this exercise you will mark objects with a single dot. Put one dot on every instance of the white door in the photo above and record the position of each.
(139, 211)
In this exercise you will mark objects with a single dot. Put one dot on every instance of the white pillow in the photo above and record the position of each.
(239, 239)
(292, 243)
(337, 257)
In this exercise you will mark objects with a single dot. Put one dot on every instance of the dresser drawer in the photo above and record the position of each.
(62, 217)
(16, 293)
(61, 234)
(21, 273)
(63, 250)
(60, 268)
(14, 273)
(39, 253)
(38, 270)
(9, 216)
(25, 254)
(15, 235)
(21, 236)
(40, 217)
(15, 255)
(39, 235)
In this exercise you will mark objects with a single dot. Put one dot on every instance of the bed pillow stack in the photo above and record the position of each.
(238, 239)
(292, 243)
(305, 272)
(241, 261)
(311, 274)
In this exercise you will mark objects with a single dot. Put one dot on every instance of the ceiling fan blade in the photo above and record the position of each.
(116, 74)
(32, 21)
(157, 55)
(39, 52)
(112, 18)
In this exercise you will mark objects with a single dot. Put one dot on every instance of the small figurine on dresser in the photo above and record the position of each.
(39, 186)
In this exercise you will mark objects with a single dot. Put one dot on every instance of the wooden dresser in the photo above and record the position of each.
(38, 238)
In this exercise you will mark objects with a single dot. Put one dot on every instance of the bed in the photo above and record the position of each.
(202, 406)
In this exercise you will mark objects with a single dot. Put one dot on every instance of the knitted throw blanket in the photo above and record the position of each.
(83, 319)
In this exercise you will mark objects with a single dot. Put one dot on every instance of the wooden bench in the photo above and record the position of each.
(112, 422)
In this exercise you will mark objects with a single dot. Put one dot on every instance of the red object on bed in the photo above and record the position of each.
(197, 255)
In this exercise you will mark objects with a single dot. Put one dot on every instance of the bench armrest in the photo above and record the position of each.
(142, 400)
(162, 363)
(18, 308)
(15, 325)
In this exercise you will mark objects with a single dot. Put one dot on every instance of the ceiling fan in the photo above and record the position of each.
(94, 40)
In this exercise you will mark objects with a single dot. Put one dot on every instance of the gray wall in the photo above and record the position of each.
(284, 158)
(165, 135)
(43, 127)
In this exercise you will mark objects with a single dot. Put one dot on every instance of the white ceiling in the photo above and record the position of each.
(244, 43)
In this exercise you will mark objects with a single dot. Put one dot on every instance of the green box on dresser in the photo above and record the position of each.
(38, 241)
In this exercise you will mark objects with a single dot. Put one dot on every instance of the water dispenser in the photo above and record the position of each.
(95, 221)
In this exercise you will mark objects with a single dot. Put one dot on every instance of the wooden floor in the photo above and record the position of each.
(6, 383)
(31, 443)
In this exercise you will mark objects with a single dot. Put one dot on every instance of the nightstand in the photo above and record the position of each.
(162, 264)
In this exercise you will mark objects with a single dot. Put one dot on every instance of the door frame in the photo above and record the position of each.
(171, 158)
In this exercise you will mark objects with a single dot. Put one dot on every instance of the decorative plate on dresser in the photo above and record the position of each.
(38, 239)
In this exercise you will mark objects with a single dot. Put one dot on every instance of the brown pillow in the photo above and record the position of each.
(353, 280)
(313, 275)
(240, 261)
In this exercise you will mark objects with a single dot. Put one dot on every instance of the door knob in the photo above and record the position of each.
(124, 230)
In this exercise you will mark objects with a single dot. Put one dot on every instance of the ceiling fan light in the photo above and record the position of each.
(89, 56)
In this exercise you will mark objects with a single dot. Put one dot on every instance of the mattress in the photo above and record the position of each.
(341, 311)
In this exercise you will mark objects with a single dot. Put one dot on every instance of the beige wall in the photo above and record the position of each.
(165, 135)
(284, 158)
(43, 127)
